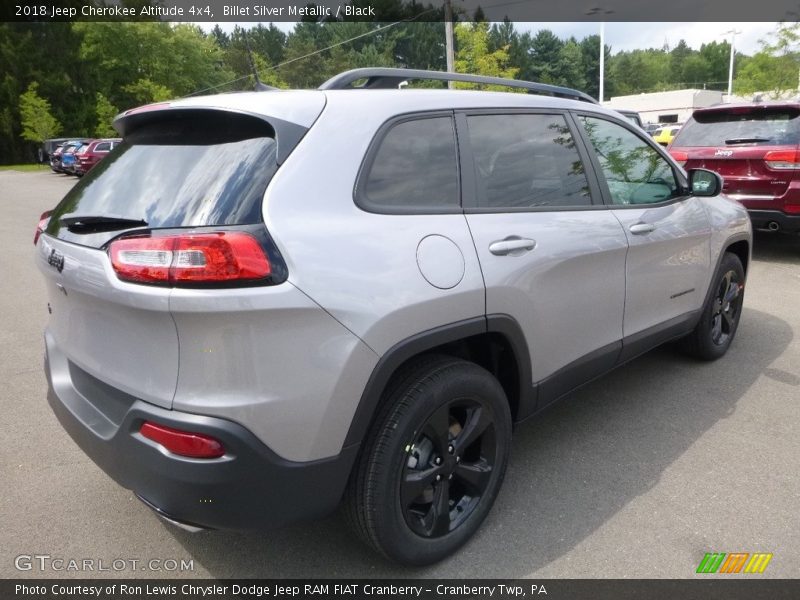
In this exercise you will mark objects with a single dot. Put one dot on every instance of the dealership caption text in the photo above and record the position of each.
(200, 12)
(344, 590)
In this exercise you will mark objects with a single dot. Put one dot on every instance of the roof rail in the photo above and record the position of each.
(386, 78)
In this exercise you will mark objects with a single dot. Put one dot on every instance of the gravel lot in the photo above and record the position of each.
(636, 475)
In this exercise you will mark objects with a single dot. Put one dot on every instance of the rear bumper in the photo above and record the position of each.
(250, 487)
(761, 219)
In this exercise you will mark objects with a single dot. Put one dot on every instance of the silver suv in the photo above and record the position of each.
(264, 304)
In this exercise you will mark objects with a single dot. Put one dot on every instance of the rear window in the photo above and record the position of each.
(764, 127)
(186, 173)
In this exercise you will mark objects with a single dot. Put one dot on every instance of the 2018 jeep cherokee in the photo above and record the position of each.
(263, 303)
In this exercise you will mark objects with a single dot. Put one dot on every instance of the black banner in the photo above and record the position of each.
(733, 588)
(395, 10)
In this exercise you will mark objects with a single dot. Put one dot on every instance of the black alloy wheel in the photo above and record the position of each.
(719, 319)
(449, 467)
(726, 308)
(433, 462)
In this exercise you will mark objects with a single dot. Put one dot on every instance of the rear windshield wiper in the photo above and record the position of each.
(87, 223)
(750, 140)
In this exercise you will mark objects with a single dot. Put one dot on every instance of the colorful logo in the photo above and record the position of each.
(734, 562)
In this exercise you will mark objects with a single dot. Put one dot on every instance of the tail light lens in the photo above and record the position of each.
(782, 160)
(680, 156)
(43, 221)
(219, 257)
(183, 443)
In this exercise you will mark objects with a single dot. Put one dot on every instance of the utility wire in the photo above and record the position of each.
(352, 39)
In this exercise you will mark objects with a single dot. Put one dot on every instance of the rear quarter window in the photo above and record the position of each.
(413, 168)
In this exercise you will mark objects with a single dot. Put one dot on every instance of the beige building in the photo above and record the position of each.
(666, 107)
(676, 106)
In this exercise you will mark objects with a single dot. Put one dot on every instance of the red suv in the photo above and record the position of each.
(754, 147)
(93, 154)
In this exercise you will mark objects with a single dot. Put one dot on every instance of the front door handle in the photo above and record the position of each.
(641, 228)
(512, 245)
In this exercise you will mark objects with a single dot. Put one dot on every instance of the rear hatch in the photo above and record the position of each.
(753, 147)
(180, 174)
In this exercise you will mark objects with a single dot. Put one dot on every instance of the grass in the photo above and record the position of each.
(33, 167)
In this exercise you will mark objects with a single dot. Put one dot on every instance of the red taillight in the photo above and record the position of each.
(183, 443)
(191, 258)
(680, 156)
(782, 159)
(43, 221)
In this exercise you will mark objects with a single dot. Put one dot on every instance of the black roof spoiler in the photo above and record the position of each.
(387, 78)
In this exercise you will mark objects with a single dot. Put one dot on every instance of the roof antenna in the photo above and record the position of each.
(260, 87)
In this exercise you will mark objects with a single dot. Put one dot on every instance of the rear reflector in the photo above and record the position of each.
(183, 443)
(679, 156)
(782, 159)
(43, 221)
(220, 257)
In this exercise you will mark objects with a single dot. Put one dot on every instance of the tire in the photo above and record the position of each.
(442, 417)
(719, 320)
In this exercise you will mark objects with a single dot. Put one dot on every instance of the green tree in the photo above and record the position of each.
(569, 68)
(473, 55)
(590, 48)
(38, 123)
(544, 53)
(776, 67)
(105, 116)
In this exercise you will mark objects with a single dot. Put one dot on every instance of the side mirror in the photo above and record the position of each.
(704, 182)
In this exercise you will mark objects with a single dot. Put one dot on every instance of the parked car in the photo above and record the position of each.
(754, 146)
(665, 134)
(651, 128)
(63, 161)
(92, 153)
(50, 146)
(320, 296)
(69, 157)
(632, 116)
(55, 159)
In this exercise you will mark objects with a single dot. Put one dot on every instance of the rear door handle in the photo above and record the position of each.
(641, 228)
(512, 245)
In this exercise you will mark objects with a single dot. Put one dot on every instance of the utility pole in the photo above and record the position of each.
(733, 33)
(602, 58)
(448, 34)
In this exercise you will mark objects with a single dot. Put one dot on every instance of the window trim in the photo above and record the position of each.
(360, 197)
(469, 195)
(683, 186)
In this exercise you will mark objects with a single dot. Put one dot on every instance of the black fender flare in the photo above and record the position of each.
(419, 343)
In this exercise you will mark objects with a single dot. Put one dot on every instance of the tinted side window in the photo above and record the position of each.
(634, 171)
(414, 167)
(103, 147)
(526, 161)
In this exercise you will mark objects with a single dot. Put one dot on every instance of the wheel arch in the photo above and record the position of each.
(741, 249)
(495, 342)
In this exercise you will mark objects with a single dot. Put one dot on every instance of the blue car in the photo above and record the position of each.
(68, 158)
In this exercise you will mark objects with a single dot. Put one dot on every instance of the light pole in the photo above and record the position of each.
(448, 36)
(602, 58)
(733, 33)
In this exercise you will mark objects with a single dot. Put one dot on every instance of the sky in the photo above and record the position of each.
(629, 36)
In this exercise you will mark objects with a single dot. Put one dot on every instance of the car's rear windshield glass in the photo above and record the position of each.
(188, 173)
(762, 127)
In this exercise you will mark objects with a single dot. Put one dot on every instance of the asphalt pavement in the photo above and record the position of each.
(636, 475)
